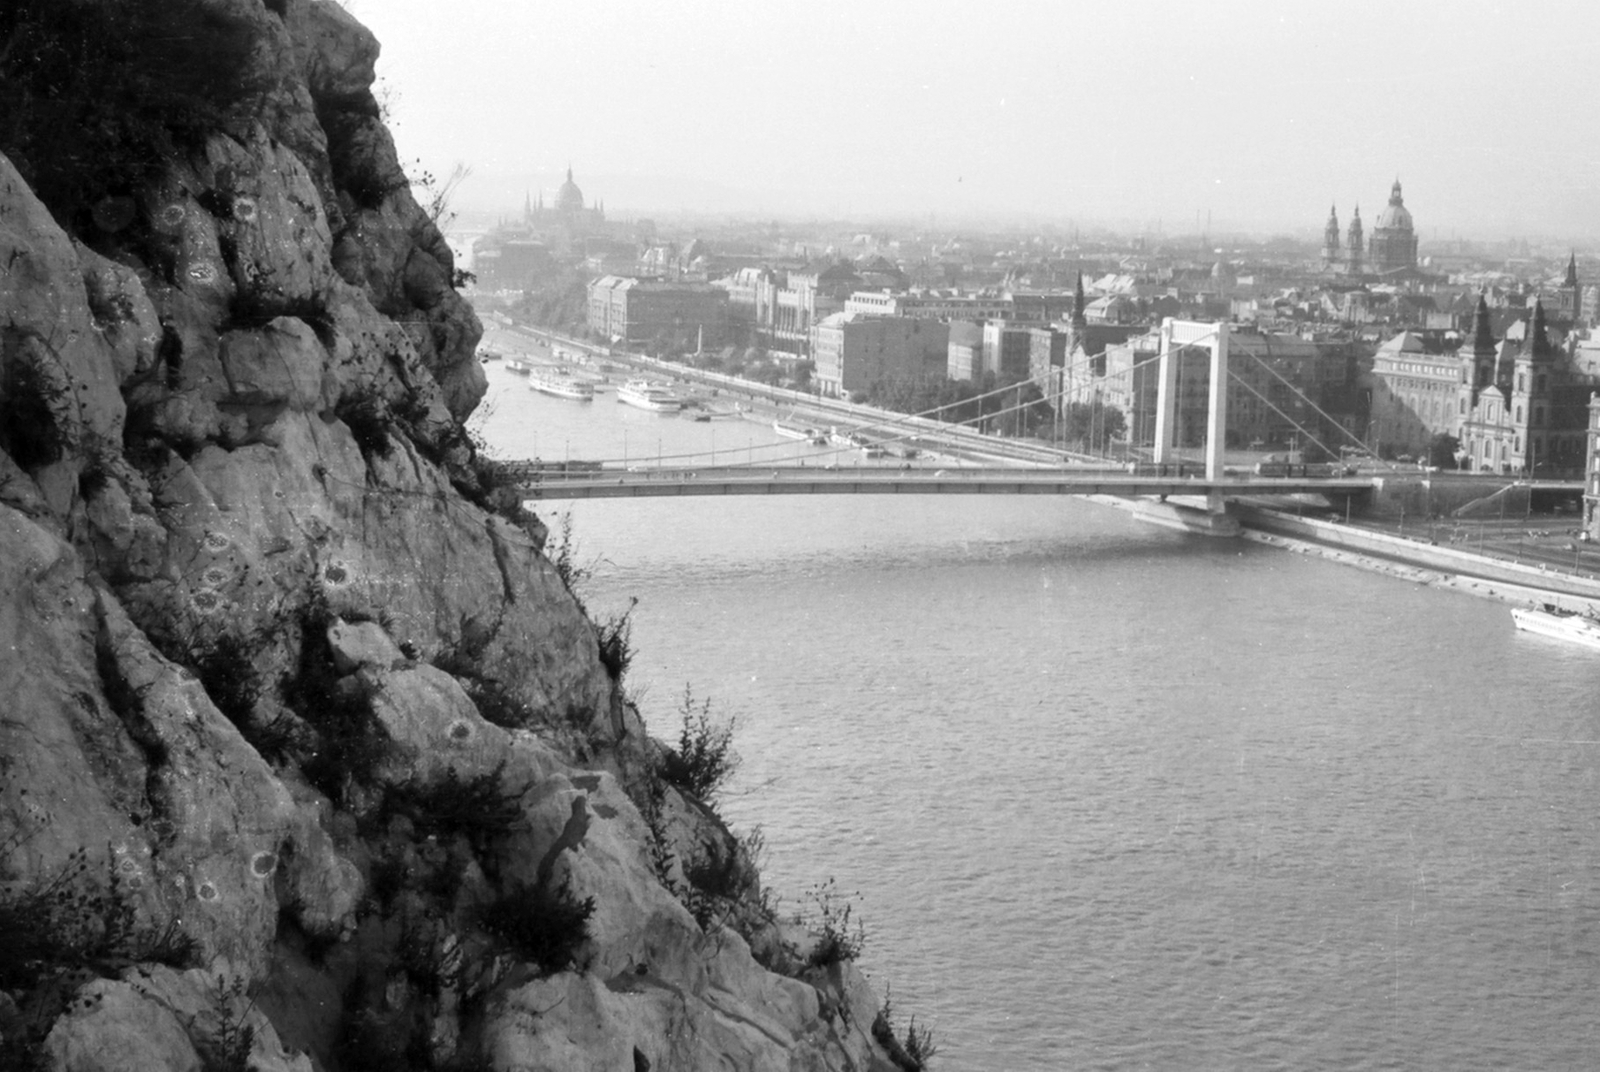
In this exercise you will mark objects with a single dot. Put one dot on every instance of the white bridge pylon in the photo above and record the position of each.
(1175, 335)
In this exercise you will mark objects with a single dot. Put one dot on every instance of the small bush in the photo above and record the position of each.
(615, 638)
(349, 744)
(650, 797)
(544, 925)
(496, 703)
(72, 923)
(722, 880)
(228, 1049)
(919, 1044)
(836, 941)
(55, 936)
(563, 555)
(476, 807)
(279, 738)
(918, 1048)
(704, 759)
(719, 871)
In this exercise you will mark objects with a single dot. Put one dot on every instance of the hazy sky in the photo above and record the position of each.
(1260, 112)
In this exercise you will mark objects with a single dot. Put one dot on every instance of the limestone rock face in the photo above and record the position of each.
(115, 1029)
(53, 344)
(298, 718)
(280, 364)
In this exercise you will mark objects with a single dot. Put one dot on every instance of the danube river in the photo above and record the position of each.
(1110, 797)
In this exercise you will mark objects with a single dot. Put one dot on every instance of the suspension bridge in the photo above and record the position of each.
(1190, 493)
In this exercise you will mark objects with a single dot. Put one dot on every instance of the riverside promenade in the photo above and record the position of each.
(1534, 573)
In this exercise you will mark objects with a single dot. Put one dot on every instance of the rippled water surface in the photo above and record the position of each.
(1115, 798)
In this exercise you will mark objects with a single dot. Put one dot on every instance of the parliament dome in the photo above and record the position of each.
(569, 198)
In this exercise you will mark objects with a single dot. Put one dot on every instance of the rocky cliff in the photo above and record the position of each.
(309, 757)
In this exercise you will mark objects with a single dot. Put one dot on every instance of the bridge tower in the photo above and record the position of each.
(1176, 335)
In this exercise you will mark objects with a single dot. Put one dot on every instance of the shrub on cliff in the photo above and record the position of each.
(724, 884)
(544, 925)
(615, 638)
(836, 939)
(479, 808)
(911, 1054)
(59, 932)
(97, 97)
(704, 759)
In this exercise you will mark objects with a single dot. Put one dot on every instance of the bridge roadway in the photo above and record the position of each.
(621, 483)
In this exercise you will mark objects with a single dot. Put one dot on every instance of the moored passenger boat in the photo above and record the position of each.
(562, 384)
(1552, 621)
(810, 435)
(647, 395)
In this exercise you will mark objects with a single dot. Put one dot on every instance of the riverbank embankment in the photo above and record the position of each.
(1421, 563)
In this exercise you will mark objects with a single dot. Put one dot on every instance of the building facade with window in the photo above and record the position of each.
(853, 351)
(1416, 392)
(660, 316)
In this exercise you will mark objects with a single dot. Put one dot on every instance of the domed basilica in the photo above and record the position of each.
(1392, 247)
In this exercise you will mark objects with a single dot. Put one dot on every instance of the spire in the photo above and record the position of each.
(1482, 334)
(1394, 192)
(1572, 270)
(1536, 344)
(1483, 349)
(1078, 303)
(1354, 243)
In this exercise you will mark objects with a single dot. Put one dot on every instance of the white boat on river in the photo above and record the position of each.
(646, 394)
(809, 435)
(1551, 621)
(562, 384)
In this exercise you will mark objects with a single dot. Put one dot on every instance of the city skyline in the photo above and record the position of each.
(1239, 116)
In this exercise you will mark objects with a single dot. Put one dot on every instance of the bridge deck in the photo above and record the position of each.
(613, 484)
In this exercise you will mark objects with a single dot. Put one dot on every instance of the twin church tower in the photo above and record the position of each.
(1392, 247)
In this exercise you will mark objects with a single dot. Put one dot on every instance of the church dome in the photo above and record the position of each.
(569, 198)
(1396, 217)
